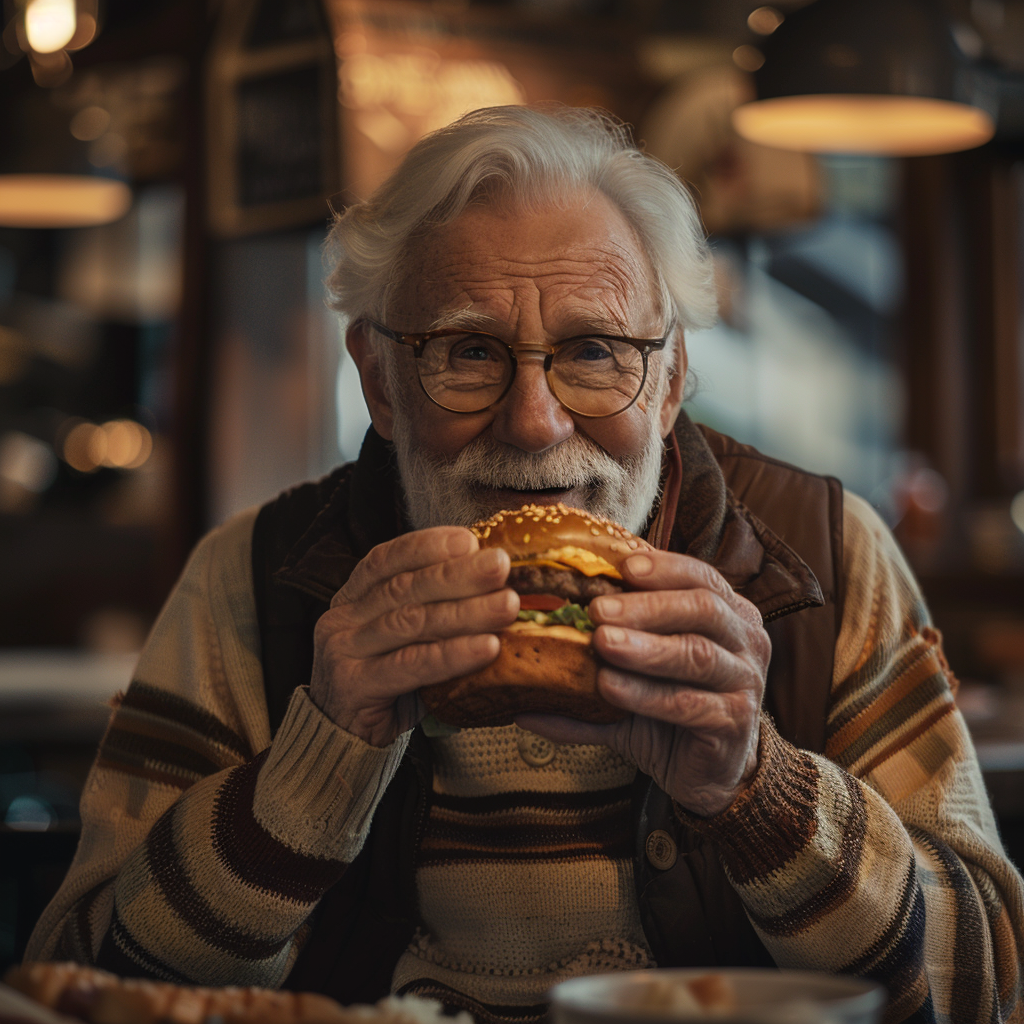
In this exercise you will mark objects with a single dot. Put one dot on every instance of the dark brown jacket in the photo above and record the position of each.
(773, 531)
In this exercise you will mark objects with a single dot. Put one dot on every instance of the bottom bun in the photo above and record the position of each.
(532, 673)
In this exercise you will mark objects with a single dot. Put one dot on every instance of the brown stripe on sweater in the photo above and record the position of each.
(191, 906)
(528, 798)
(915, 619)
(147, 726)
(127, 747)
(123, 955)
(904, 741)
(145, 697)
(844, 879)
(892, 722)
(437, 853)
(869, 684)
(514, 834)
(917, 665)
(256, 857)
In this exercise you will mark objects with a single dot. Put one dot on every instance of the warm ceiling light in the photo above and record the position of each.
(60, 200)
(887, 125)
(50, 24)
(878, 76)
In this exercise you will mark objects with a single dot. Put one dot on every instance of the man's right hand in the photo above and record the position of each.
(420, 609)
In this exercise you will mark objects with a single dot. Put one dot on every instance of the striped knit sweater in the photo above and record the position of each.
(206, 846)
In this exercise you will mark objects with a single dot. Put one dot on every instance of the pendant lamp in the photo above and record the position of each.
(868, 76)
(61, 200)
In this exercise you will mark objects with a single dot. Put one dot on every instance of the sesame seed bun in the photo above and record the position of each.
(550, 669)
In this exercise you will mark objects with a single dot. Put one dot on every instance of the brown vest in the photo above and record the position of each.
(775, 533)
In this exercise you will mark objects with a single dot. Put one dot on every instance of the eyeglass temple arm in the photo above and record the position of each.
(381, 329)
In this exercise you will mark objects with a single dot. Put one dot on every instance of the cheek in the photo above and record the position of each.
(433, 429)
(620, 436)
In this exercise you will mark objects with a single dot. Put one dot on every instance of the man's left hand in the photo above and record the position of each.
(688, 657)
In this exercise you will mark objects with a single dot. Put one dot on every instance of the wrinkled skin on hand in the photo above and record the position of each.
(688, 657)
(419, 609)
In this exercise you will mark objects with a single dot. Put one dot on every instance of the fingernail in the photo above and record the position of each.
(614, 635)
(639, 565)
(609, 607)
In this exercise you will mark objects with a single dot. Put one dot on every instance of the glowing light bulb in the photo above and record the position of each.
(50, 24)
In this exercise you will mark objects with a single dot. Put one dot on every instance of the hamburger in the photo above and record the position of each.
(562, 558)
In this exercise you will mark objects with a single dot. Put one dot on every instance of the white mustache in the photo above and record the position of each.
(576, 462)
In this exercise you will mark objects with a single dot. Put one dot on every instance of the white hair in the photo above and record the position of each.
(522, 158)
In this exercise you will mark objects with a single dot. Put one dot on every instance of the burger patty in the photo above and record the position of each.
(567, 583)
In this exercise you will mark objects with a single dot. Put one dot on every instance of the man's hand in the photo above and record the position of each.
(688, 657)
(417, 610)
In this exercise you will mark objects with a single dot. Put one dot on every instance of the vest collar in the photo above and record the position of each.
(697, 515)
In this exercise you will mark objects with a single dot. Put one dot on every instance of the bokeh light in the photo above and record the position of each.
(50, 24)
(90, 123)
(117, 444)
(747, 58)
(764, 20)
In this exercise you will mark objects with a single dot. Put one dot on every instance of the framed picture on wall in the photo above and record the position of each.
(272, 117)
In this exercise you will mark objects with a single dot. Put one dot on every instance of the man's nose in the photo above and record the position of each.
(529, 416)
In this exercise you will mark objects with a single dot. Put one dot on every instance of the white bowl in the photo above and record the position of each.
(762, 997)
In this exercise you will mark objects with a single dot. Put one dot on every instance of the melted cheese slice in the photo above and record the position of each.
(561, 632)
(572, 557)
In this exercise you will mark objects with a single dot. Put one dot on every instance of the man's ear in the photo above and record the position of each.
(371, 377)
(676, 385)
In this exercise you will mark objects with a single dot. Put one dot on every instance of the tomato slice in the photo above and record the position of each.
(540, 602)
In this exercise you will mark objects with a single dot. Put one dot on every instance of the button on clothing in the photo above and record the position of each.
(535, 750)
(661, 850)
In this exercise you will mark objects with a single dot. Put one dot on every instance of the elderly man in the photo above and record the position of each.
(793, 784)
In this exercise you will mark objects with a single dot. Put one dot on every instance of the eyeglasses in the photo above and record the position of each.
(592, 375)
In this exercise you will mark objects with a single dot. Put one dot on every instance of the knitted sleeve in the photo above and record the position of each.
(205, 846)
(881, 858)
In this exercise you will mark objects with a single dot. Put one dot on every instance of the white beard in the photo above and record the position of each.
(440, 491)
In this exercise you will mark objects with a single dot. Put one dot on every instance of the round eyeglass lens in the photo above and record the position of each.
(597, 376)
(465, 372)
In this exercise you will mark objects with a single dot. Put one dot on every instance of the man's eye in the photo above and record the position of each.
(474, 348)
(475, 352)
(588, 350)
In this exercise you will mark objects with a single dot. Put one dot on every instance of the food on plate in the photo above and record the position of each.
(562, 558)
(708, 994)
(99, 997)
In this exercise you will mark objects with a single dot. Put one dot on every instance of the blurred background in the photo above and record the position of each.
(166, 358)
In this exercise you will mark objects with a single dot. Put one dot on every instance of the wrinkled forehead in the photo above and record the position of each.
(557, 260)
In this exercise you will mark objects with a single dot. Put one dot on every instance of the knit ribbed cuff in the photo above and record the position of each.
(773, 818)
(320, 785)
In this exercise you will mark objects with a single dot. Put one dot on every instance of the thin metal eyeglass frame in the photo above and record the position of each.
(418, 341)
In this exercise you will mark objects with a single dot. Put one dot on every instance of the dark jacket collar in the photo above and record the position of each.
(697, 515)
